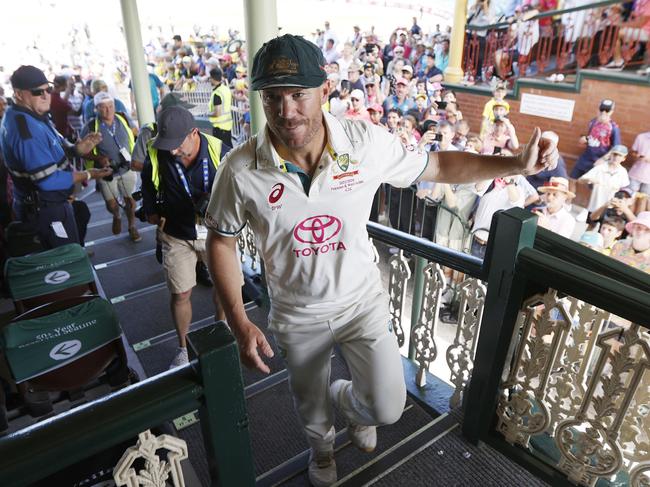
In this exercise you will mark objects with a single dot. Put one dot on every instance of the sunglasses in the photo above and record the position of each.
(40, 91)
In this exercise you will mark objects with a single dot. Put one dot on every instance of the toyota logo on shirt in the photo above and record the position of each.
(317, 229)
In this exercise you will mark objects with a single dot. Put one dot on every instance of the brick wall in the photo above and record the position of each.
(631, 114)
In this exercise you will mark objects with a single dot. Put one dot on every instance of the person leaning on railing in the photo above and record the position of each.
(305, 186)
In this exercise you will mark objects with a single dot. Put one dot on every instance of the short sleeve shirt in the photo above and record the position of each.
(318, 258)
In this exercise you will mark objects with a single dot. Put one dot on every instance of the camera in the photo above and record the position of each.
(137, 195)
(201, 204)
(437, 137)
(441, 105)
(140, 214)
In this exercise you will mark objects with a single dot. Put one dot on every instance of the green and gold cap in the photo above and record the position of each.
(288, 60)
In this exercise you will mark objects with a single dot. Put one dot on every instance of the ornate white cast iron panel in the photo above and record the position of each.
(156, 472)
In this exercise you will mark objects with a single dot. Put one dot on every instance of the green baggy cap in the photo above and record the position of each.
(288, 61)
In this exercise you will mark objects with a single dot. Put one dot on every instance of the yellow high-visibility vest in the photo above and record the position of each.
(223, 121)
(129, 133)
(214, 150)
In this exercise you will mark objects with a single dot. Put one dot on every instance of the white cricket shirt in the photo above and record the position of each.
(317, 254)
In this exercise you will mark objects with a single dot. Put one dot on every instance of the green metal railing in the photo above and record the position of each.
(211, 383)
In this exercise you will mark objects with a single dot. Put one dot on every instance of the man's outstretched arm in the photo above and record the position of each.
(457, 167)
(223, 265)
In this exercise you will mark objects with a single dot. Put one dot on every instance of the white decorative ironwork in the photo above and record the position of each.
(156, 472)
(423, 333)
(460, 355)
(569, 375)
(399, 276)
(640, 476)
(589, 444)
(522, 410)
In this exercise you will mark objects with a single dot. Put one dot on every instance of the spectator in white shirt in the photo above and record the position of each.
(554, 215)
(607, 177)
(505, 193)
(329, 51)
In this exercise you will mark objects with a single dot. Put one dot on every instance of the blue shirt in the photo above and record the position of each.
(405, 106)
(30, 144)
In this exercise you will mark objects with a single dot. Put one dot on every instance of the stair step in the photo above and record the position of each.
(451, 460)
(349, 459)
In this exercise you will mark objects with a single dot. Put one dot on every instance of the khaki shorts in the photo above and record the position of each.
(120, 185)
(179, 262)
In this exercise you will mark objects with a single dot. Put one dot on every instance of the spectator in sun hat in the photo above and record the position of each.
(354, 77)
(554, 214)
(602, 134)
(635, 250)
(606, 177)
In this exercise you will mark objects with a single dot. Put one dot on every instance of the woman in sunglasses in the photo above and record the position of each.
(36, 158)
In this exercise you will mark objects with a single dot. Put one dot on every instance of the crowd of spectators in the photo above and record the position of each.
(396, 84)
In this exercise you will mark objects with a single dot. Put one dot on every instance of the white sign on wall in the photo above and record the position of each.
(547, 107)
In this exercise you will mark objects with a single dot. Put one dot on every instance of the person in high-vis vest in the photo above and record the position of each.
(220, 106)
(177, 178)
(114, 151)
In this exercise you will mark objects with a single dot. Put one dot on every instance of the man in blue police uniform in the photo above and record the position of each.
(35, 155)
(177, 181)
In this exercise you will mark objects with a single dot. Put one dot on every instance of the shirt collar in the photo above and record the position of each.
(19, 108)
(337, 139)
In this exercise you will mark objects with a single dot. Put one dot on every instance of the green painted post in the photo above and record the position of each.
(416, 304)
(511, 231)
(223, 414)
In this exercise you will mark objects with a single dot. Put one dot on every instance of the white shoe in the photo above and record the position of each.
(322, 467)
(181, 358)
(363, 437)
(613, 66)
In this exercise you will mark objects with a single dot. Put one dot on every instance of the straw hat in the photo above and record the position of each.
(557, 184)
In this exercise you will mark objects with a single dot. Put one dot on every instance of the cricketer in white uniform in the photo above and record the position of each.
(305, 185)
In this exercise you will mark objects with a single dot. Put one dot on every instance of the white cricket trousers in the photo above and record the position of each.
(377, 392)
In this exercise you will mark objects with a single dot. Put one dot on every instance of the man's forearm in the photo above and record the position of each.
(225, 272)
(458, 167)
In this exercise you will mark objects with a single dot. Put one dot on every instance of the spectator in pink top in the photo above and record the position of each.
(640, 171)
(358, 110)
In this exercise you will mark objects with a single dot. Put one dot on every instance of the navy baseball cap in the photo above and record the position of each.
(174, 124)
(27, 78)
(288, 60)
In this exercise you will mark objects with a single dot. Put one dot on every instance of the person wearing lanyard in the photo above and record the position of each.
(36, 157)
(177, 178)
(305, 186)
(114, 151)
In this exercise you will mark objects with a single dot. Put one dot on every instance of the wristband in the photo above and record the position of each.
(88, 176)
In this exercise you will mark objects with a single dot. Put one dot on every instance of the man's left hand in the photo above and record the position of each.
(540, 153)
(88, 143)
